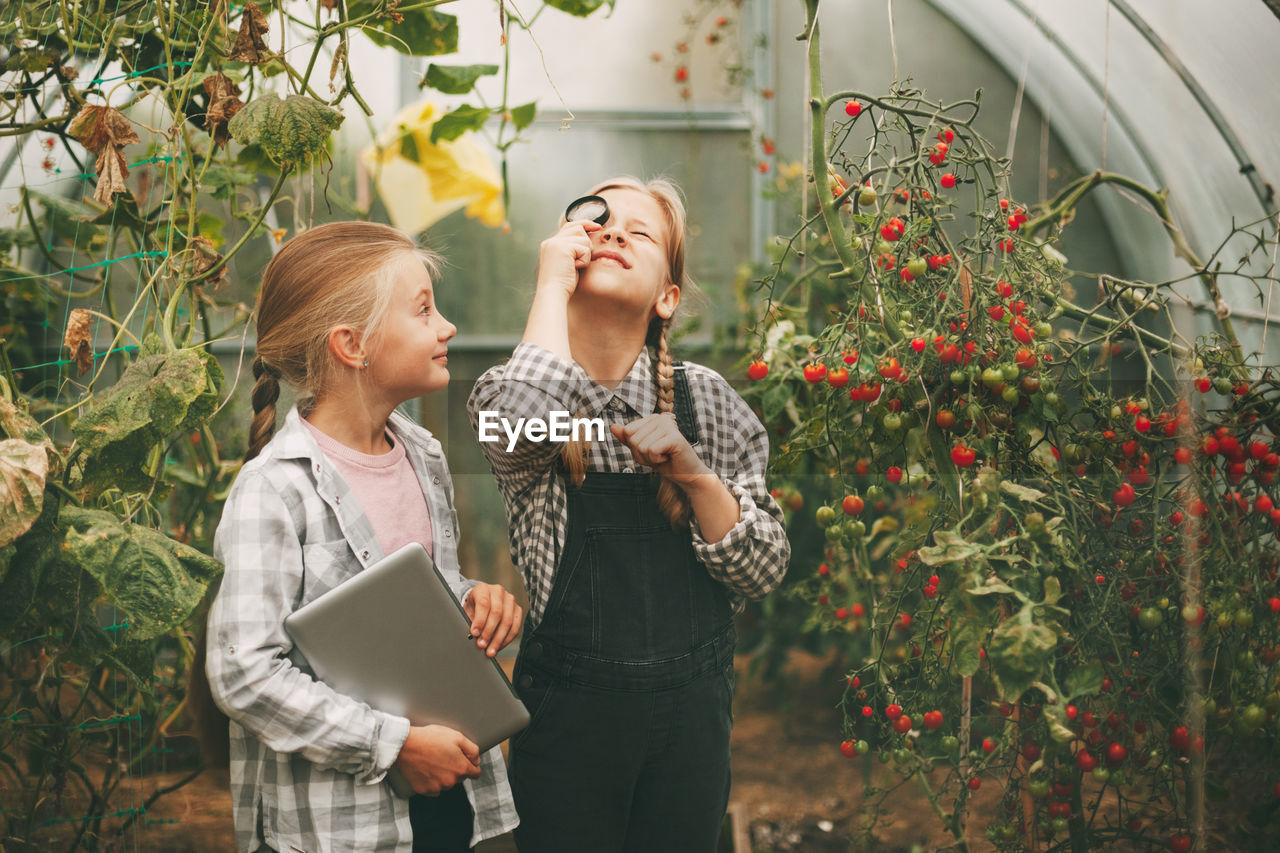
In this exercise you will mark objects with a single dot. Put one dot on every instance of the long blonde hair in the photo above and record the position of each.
(672, 500)
(330, 276)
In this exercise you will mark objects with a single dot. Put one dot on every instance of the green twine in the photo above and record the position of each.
(110, 721)
(63, 361)
(158, 254)
(96, 80)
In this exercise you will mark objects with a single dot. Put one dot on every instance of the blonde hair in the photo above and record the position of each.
(672, 501)
(333, 275)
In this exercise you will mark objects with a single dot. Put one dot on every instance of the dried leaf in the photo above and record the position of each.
(105, 132)
(98, 128)
(79, 339)
(251, 45)
(223, 103)
(330, 5)
(205, 256)
(23, 468)
(112, 170)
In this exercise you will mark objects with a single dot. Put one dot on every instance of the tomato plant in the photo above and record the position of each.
(1047, 485)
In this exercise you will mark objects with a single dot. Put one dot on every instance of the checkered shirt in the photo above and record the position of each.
(750, 560)
(307, 762)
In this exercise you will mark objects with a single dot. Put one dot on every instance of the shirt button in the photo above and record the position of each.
(317, 469)
(526, 681)
(364, 555)
(627, 470)
(337, 500)
(448, 533)
(435, 480)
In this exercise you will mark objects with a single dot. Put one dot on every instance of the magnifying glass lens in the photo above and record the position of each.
(588, 208)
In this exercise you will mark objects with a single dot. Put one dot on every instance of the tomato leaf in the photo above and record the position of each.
(950, 548)
(453, 124)
(1084, 680)
(1022, 493)
(456, 79)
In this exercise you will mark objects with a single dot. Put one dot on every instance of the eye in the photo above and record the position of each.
(641, 234)
(425, 310)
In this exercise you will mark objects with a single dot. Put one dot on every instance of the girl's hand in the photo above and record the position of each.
(495, 616)
(656, 442)
(563, 254)
(435, 758)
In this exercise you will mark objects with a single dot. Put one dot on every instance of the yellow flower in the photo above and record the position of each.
(421, 182)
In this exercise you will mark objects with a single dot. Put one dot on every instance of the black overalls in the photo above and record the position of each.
(629, 680)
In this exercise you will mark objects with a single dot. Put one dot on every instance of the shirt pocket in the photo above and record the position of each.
(325, 565)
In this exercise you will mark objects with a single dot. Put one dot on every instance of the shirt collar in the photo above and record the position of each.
(295, 441)
(637, 388)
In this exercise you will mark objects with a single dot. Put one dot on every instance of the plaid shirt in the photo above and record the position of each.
(750, 560)
(306, 762)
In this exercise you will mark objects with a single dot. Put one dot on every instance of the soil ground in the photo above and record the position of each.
(792, 789)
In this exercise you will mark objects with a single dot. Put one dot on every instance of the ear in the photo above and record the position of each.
(667, 301)
(346, 347)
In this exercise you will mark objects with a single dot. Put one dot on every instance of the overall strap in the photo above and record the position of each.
(684, 403)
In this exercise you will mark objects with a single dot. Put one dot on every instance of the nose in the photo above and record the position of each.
(613, 234)
(448, 331)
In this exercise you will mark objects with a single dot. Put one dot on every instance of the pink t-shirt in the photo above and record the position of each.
(387, 489)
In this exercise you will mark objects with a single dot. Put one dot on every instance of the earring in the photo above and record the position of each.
(366, 363)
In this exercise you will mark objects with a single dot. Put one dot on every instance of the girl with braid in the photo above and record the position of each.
(347, 317)
(636, 550)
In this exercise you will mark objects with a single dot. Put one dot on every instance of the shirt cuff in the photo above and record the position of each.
(722, 553)
(391, 734)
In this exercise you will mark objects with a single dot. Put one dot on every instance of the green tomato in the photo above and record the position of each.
(901, 756)
(1010, 394)
(959, 377)
(866, 197)
(875, 492)
(1010, 372)
(833, 533)
(854, 528)
(1039, 788)
(1251, 718)
(892, 421)
(1102, 774)
(1150, 618)
(825, 515)
(917, 266)
(1244, 618)
(1059, 824)
(1043, 329)
(991, 377)
(905, 315)
(862, 747)
(1116, 413)
(1222, 385)
(1052, 398)
(883, 247)
(949, 743)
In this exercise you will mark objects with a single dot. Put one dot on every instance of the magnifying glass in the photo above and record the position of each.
(590, 208)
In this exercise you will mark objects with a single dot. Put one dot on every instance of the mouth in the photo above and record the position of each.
(611, 256)
(444, 356)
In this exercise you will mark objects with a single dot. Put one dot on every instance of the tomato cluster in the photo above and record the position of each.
(1049, 558)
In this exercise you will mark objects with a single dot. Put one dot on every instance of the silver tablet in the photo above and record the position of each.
(395, 638)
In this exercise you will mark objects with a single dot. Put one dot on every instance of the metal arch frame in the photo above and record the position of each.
(1261, 188)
